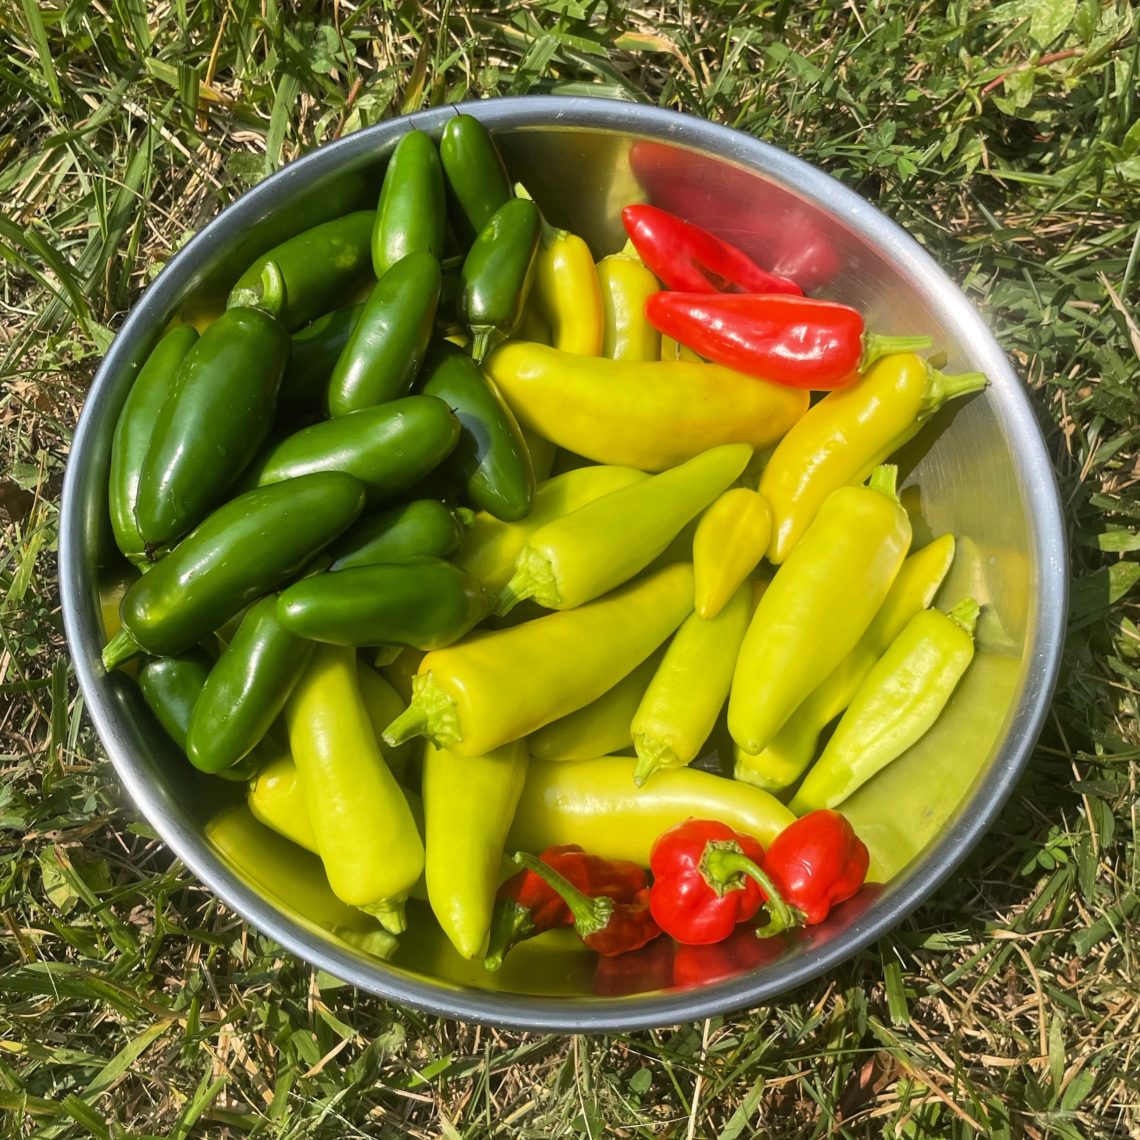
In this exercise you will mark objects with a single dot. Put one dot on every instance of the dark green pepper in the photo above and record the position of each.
(424, 603)
(412, 214)
(316, 349)
(389, 448)
(132, 437)
(321, 267)
(497, 274)
(246, 689)
(171, 687)
(387, 346)
(244, 549)
(477, 180)
(216, 417)
(491, 460)
(423, 527)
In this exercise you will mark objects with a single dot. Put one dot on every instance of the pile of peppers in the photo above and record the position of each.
(518, 586)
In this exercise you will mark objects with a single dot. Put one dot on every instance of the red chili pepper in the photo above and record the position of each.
(706, 879)
(527, 906)
(816, 863)
(603, 923)
(636, 971)
(684, 256)
(741, 951)
(799, 342)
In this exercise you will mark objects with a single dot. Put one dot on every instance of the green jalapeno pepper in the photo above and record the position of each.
(681, 704)
(477, 181)
(315, 352)
(321, 267)
(898, 702)
(133, 432)
(246, 689)
(171, 687)
(596, 804)
(491, 460)
(388, 448)
(384, 352)
(791, 750)
(817, 606)
(412, 214)
(497, 274)
(365, 831)
(604, 543)
(294, 877)
(217, 414)
(422, 528)
(243, 550)
(469, 803)
(493, 545)
(601, 727)
(473, 697)
(424, 603)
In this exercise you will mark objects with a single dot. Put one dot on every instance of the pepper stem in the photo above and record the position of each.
(884, 479)
(268, 294)
(120, 649)
(386, 654)
(720, 865)
(510, 924)
(965, 613)
(432, 713)
(876, 347)
(390, 914)
(590, 914)
(533, 578)
(652, 755)
(940, 388)
(465, 516)
(484, 339)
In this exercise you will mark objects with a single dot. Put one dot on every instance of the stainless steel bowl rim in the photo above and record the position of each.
(1043, 639)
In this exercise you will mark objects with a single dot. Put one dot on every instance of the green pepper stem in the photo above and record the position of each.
(965, 613)
(652, 755)
(722, 864)
(884, 479)
(875, 347)
(484, 338)
(465, 516)
(510, 923)
(386, 654)
(389, 913)
(120, 649)
(590, 914)
(940, 388)
(271, 290)
(533, 578)
(431, 713)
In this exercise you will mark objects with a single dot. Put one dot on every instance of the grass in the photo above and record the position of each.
(1006, 138)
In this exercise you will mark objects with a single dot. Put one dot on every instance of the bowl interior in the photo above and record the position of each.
(978, 470)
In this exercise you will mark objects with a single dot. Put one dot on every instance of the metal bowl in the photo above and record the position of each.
(979, 469)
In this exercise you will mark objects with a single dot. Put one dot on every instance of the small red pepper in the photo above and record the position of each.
(741, 951)
(816, 863)
(684, 256)
(603, 923)
(706, 879)
(527, 905)
(799, 342)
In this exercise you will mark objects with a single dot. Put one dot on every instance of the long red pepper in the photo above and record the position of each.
(527, 905)
(799, 342)
(604, 924)
(684, 256)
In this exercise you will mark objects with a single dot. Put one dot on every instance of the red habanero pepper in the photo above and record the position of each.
(684, 256)
(816, 863)
(604, 924)
(799, 342)
(527, 905)
(706, 879)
